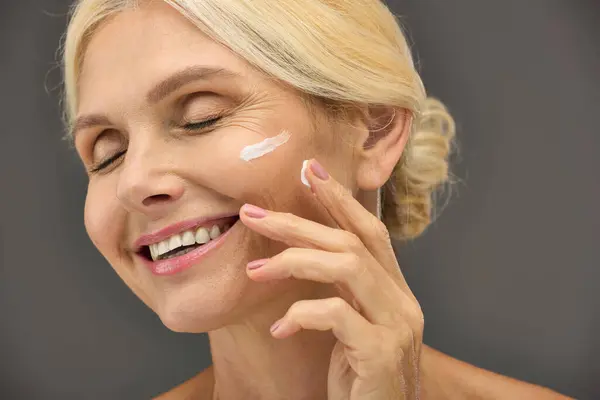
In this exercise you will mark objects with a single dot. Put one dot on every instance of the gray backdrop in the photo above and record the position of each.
(507, 277)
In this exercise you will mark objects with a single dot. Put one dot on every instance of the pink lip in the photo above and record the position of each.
(172, 266)
(179, 227)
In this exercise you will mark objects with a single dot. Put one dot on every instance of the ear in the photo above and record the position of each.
(388, 133)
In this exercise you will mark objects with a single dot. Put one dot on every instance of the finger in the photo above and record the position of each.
(303, 233)
(296, 231)
(380, 300)
(334, 314)
(353, 217)
(300, 232)
(370, 349)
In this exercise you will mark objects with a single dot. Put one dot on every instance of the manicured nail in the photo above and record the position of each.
(275, 326)
(256, 264)
(254, 212)
(318, 170)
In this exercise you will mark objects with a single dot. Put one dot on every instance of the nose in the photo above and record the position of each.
(147, 183)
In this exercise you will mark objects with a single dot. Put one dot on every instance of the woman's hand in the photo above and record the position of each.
(376, 319)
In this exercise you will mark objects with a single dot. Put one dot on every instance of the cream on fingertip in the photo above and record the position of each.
(303, 173)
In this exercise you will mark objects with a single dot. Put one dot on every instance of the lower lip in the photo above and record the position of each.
(175, 265)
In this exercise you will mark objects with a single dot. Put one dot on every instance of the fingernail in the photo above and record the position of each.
(254, 212)
(318, 170)
(256, 264)
(275, 326)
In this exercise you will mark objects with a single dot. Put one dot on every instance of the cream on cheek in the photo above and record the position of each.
(269, 145)
(265, 147)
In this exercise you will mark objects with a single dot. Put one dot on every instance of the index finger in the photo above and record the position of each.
(353, 217)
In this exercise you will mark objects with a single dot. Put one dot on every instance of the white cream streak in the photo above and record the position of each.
(303, 173)
(265, 147)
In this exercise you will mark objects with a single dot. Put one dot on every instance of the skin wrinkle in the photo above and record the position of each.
(170, 174)
(197, 174)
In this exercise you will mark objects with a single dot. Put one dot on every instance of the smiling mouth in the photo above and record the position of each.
(187, 241)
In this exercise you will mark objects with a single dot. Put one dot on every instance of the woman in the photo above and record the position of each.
(236, 151)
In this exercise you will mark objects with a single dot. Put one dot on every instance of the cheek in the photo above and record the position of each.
(103, 220)
(216, 162)
(271, 181)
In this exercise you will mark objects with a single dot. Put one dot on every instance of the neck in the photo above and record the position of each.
(369, 200)
(248, 363)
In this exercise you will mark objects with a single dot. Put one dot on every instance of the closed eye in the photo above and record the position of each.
(107, 162)
(194, 126)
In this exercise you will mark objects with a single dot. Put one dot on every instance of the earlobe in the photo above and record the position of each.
(389, 130)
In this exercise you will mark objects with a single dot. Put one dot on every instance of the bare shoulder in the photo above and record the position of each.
(444, 377)
(200, 387)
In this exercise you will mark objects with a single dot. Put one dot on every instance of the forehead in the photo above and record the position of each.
(133, 50)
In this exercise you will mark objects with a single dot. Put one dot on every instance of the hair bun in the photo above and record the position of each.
(409, 197)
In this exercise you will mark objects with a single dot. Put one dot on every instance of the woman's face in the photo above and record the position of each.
(150, 87)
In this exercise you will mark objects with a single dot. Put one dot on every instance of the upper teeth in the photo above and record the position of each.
(200, 236)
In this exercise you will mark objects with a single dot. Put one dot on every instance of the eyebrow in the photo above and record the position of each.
(159, 92)
(88, 121)
(181, 78)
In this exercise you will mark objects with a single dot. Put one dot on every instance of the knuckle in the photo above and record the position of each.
(344, 196)
(352, 266)
(376, 228)
(381, 230)
(297, 308)
(420, 318)
(287, 255)
(416, 317)
(354, 243)
(290, 221)
(337, 305)
(405, 338)
(284, 256)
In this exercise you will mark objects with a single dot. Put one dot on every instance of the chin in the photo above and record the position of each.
(218, 291)
(193, 319)
(205, 307)
(182, 323)
(201, 306)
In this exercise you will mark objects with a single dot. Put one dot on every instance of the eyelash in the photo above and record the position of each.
(192, 127)
(107, 162)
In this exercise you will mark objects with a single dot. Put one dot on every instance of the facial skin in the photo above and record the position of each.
(169, 174)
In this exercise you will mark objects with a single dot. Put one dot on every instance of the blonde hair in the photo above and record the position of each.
(345, 52)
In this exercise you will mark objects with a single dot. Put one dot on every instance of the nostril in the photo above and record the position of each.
(156, 199)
